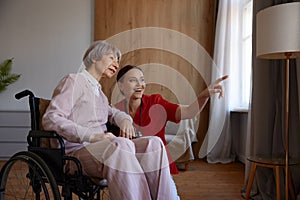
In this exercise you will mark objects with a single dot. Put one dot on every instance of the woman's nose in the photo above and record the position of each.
(116, 64)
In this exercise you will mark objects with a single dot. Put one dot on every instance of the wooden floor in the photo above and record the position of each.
(209, 181)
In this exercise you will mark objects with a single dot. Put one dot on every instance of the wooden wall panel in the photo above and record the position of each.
(191, 17)
(195, 18)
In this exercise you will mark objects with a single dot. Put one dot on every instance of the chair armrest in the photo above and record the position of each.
(35, 136)
(184, 130)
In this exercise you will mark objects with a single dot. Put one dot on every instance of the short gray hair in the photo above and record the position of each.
(97, 49)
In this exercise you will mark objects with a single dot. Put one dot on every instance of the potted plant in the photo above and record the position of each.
(6, 78)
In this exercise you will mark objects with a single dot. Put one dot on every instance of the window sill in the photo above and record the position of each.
(239, 110)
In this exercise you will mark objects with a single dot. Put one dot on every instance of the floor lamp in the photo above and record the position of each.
(278, 37)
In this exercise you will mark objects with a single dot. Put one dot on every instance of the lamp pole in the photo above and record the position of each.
(287, 85)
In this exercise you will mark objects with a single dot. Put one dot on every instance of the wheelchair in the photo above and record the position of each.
(42, 171)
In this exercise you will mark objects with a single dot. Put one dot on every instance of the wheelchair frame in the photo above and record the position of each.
(42, 172)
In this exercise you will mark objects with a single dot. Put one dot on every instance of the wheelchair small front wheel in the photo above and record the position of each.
(26, 176)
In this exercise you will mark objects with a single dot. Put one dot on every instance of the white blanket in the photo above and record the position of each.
(180, 138)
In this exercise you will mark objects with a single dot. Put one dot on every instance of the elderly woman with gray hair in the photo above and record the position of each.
(79, 110)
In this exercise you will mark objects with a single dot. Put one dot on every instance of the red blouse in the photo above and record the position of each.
(151, 118)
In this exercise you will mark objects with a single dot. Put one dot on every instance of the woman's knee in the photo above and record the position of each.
(150, 144)
(124, 144)
(156, 142)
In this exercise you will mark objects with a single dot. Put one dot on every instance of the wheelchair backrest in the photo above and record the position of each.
(37, 110)
(48, 145)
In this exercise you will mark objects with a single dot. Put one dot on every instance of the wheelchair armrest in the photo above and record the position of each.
(38, 134)
(76, 161)
(50, 147)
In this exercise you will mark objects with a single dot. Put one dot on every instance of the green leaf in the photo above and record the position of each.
(6, 78)
(5, 67)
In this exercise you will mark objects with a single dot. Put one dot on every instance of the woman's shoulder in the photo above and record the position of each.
(73, 77)
(153, 98)
(71, 81)
(157, 99)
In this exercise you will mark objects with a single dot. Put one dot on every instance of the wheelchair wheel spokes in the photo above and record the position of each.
(25, 176)
(15, 181)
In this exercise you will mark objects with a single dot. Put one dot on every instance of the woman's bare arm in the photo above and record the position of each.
(188, 112)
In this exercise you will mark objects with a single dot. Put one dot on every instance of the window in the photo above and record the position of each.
(241, 60)
(246, 54)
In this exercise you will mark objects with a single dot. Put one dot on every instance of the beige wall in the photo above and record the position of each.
(46, 39)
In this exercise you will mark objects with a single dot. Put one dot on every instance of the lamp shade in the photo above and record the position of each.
(278, 31)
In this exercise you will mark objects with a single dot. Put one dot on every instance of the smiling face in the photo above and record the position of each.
(132, 84)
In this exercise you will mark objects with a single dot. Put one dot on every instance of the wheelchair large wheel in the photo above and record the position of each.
(26, 176)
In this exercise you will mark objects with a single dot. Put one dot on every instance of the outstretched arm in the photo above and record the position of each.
(188, 112)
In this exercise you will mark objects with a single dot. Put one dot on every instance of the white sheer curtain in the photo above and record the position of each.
(228, 59)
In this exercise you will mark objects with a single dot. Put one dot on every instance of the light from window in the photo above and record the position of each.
(241, 60)
(246, 54)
